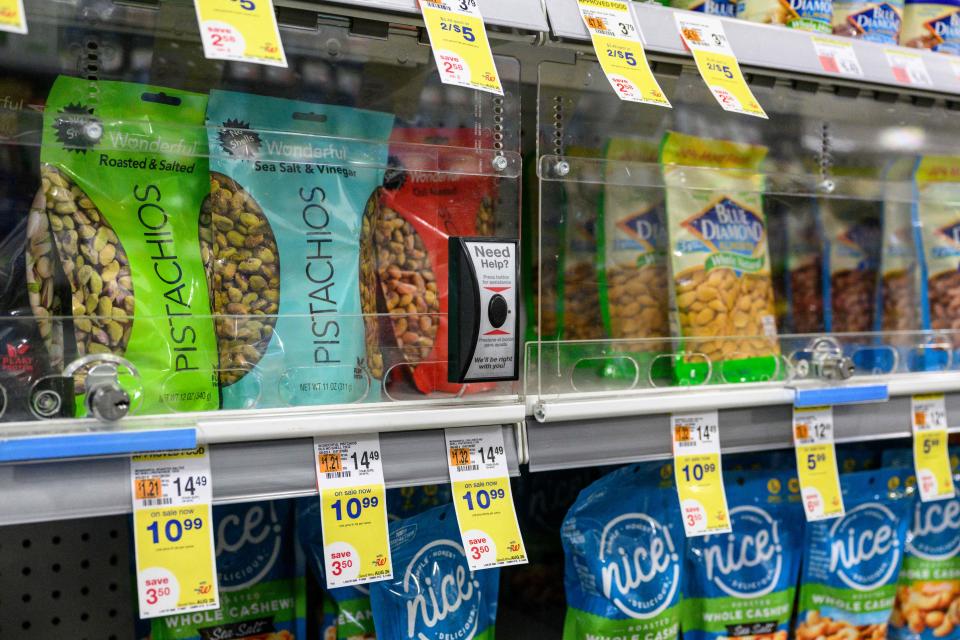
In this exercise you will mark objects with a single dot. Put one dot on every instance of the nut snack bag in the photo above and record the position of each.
(899, 303)
(623, 541)
(261, 578)
(936, 218)
(433, 594)
(422, 204)
(113, 236)
(722, 293)
(632, 245)
(743, 584)
(725, 8)
(928, 593)
(932, 25)
(851, 564)
(293, 260)
(869, 20)
(808, 15)
(851, 244)
(804, 268)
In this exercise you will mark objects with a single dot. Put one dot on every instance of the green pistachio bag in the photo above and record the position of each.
(113, 237)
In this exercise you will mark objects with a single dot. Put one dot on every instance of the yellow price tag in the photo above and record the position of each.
(241, 30)
(173, 533)
(459, 42)
(13, 19)
(353, 510)
(482, 498)
(699, 477)
(716, 62)
(817, 463)
(619, 48)
(930, 455)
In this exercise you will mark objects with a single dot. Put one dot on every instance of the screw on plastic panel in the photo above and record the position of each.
(562, 168)
(499, 163)
(539, 411)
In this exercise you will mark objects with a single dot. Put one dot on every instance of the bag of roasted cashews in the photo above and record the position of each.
(851, 564)
(722, 293)
(744, 583)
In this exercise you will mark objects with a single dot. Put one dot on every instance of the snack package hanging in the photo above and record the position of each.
(433, 595)
(873, 21)
(722, 293)
(804, 266)
(927, 606)
(851, 564)
(743, 583)
(409, 501)
(289, 219)
(353, 614)
(623, 541)
(113, 238)
(424, 201)
(937, 226)
(631, 254)
(261, 578)
(932, 25)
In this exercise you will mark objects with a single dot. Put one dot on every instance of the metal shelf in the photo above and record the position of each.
(525, 15)
(242, 472)
(766, 423)
(763, 46)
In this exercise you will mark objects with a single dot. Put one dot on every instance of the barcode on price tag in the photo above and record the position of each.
(838, 57)
(908, 67)
(353, 510)
(13, 19)
(817, 463)
(698, 472)
(173, 533)
(930, 454)
(479, 476)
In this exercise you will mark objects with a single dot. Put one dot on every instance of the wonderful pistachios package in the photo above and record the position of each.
(743, 583)
(113, 237)
(623, 541)
(722, 290)
(293, 262)
(851, 564)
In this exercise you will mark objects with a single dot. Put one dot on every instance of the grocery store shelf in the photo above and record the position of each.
(591, 442)
(526, 15)
(43, 491)
(764, 47)
(599, 406)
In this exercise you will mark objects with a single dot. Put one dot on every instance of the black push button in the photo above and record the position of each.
(497, 311)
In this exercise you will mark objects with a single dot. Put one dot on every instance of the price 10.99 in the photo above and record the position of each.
(697, 471)
(354, 507)
(172, 530)
(482, 499)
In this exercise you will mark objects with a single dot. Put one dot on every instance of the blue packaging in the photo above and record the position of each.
(851, 564)
(260, 575)
(873, 21)
(623, 542)
(932, 24)
(433, 594)
(723, 8)
(743, 583)
(292, 251)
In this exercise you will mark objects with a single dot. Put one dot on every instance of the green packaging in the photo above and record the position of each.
(113, 237)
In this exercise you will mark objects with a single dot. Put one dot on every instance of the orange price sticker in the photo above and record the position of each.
(148, 488)
(460, 457)
(802, 431)
(596, 23)
(330, 463)
(682, 433)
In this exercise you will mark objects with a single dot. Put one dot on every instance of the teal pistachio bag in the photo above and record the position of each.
(113, 238)
(290, 221)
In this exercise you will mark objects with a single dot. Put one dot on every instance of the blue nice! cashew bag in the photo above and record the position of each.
(623, 541)
(851, 564)
(433, 594)
(928, 594)
(291, 235)
(743, 583)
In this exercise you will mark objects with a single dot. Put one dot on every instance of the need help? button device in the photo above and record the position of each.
(483, 345)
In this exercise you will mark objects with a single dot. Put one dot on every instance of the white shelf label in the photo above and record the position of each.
(908, 68)
(838, 57)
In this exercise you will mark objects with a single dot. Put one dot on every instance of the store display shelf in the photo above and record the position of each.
(645, 435)
(768, 47)
(526, 15)
(59, 490)
(600, 405)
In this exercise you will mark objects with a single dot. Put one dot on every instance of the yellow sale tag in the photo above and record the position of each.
(482, 498)
(705, 37)
(241, 30)
(460, 46)
(930, 456)
(353, 508)
(619, 47)
(817, 463)
(173, 533)
(696, 464)
(12, 16)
